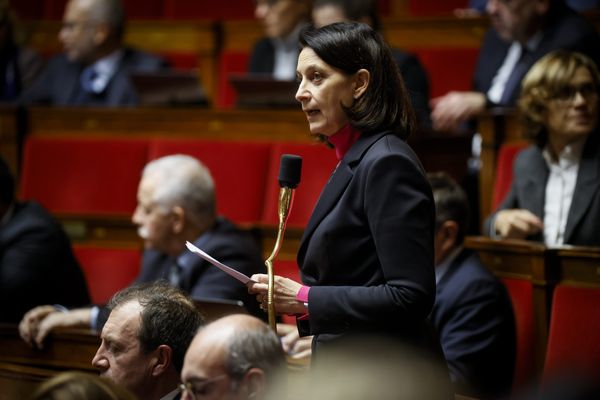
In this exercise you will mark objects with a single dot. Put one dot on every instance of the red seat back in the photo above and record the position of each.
(574, 336)
(239, 170)
(288, 269)
(521, 295)
(107, 269)
(82, 175)
(504, 170)
(318, 162)
(230, 63)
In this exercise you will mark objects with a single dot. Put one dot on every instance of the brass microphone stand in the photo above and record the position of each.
(286, 196)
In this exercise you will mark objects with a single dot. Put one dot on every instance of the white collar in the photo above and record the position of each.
(570, 154)
(105, 69)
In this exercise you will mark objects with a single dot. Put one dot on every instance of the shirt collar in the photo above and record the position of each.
(105, 68)
(570, 155)
(532, 44)
(442, 268)
(343, 139)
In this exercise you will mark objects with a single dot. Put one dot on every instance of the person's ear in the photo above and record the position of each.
(101, 33)
(361, 82)
(162, 360)
(255, 383)
(178, 215)
(449, 235)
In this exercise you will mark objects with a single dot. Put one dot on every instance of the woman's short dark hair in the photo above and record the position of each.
(351, 46)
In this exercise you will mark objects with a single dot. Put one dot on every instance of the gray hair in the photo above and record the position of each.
(184, 181)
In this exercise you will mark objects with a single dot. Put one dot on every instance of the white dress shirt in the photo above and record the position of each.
(104, 70)
(286, 55)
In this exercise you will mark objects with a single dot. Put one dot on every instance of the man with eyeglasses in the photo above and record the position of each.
(145, 338)
(235, 357)
(94, 69)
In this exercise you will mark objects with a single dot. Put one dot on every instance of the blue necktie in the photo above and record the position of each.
(88, 76)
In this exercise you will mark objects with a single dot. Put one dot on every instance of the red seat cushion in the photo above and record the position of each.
(107, 269)
(504, 170)
(82, 175)
(318, 162)
(521, 295)
(574, 336)
(239, 170)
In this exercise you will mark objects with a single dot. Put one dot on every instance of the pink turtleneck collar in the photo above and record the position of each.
(343, 139)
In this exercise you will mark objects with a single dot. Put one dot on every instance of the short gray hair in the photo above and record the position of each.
(184, 181)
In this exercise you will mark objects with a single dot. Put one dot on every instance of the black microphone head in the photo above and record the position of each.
(290, 169)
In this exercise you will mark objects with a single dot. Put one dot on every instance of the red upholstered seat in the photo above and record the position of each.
(574, 336)
(521, 295)
(504, 170)
(107, 269)
(444, 62)
(239, 170)
(82, 175)
(318, 162)
(230, 63)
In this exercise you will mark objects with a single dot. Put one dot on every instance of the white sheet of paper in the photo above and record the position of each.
(228, 270)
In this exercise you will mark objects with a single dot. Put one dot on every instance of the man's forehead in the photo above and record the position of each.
(124, 320)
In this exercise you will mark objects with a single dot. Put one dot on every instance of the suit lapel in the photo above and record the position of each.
(535, 185)
(336, 186)
(70, 87)
(588, 182)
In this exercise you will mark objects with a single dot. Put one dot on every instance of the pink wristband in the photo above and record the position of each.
(303, 294)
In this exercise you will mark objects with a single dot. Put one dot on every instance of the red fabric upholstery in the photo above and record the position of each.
(54, 9)
(193, 9)
(239, 170)
(504, 170)
(449, 68)
(521, 295)
(288, 269)
(81, 175)
(574, 336)
(185, 61)
(143, 9)
(230, 63)
(318, 162)
(435, 7)
(107, 269)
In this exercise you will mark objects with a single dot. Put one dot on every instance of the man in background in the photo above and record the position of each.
(37, 265)
(176, 203)
(94, 68)
(472, 312)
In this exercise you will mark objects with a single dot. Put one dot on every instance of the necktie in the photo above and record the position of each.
(514, 80)
(88, 76)
(175, 274)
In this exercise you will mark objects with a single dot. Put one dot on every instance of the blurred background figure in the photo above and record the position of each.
(522, 32)
(555, 193)
(80, 386)
(472, 313)
(327, 12)
(19, 65)
(235, 357)
(37, 265)
(477, 7)
(94, 69)
(277, 53)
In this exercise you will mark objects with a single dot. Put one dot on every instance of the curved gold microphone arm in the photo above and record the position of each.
(286, 196)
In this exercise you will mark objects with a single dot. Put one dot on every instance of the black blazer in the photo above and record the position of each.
(59, 84)
(37, 265)
(528, 191)
(565, 30)
(474, 318)
(367, 251)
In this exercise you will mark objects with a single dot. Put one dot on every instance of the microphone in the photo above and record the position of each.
(290, 168)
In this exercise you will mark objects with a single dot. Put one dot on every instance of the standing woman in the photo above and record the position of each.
(366, 257)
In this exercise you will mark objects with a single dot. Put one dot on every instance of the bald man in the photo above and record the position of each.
(235, 357)
(94, 69)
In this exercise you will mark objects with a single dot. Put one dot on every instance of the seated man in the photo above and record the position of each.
(472, 312)
(94, 70)
(236, 357)
(554, 197)
(176, 203)
(145, 338)
(277, 53)
(37, 265)
(522, 32)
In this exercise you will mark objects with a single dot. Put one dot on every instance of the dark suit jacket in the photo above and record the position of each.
(59, 84)
(565, 30)
(37, 265)
(201, 279)
(474, 319)
(528, 191)
(367, 251)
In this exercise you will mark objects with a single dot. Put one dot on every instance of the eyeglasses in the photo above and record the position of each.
(568, 92)
(199, 389)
